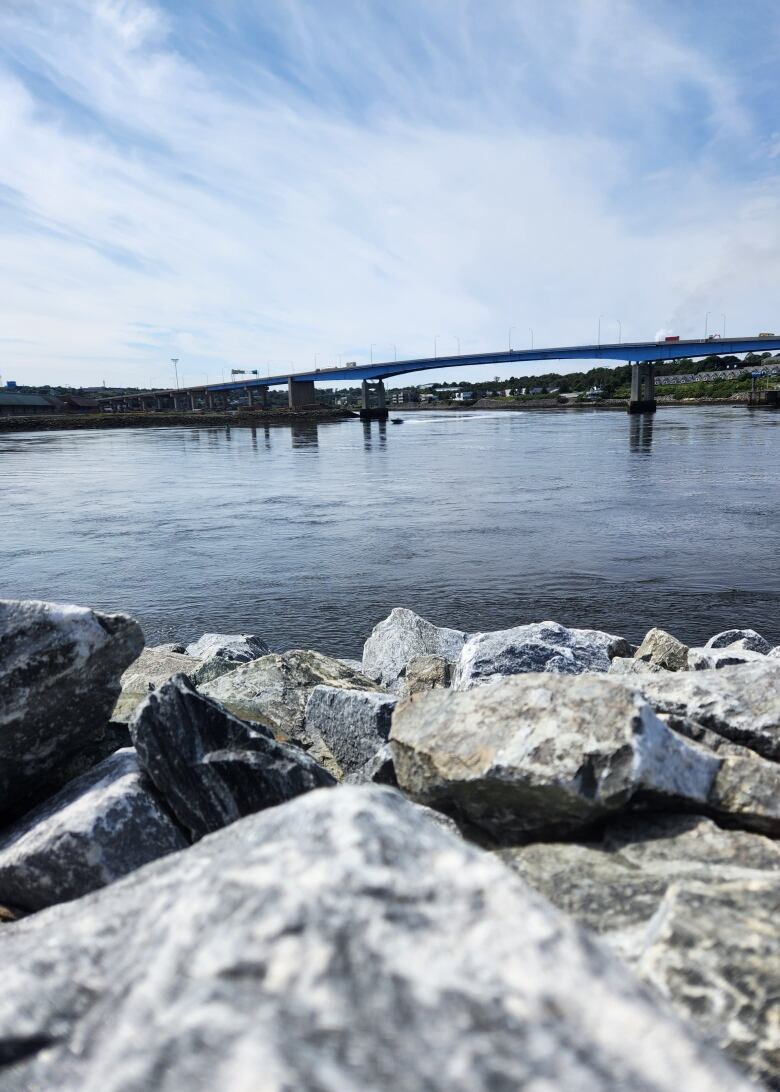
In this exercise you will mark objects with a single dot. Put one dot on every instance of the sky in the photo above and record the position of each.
(284, 184)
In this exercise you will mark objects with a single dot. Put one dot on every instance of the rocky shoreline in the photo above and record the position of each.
(534, 858)
(238, 418)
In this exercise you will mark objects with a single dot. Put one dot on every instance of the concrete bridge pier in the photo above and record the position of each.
(257, 396)
(300, 394)
(642, 397)
(373, 392)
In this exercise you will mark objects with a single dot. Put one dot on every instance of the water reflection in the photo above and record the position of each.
(304, 434)
(368, 439)
(641, 433)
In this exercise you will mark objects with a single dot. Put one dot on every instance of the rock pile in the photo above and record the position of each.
(188, 896)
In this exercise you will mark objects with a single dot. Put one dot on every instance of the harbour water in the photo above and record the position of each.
(309, 534)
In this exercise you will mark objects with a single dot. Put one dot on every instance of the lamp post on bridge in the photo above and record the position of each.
(532, 336)
(511, 328)
(175, 362)
(435, 346)
(371, 351)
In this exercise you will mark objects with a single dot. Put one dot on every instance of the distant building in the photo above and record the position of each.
(463, 396)
(23, 405)
(403, 395)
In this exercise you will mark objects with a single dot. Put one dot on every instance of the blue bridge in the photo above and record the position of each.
(643, 355)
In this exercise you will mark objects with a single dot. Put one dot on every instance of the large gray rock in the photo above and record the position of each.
(59, 679)
(692, 908)
(744, 640)
(542, 646)
(101, 826)
(153, 667)
(402, 637)
(537, 754)
(238, 647)
(210, 767)
(713, 659)
(339, 942)
(741, 703)
(353, 723)
(274, 690)
(661, 649)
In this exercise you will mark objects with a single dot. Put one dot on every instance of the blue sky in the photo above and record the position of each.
(246, 184)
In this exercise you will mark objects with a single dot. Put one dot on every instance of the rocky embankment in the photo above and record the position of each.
(254, 418)
(537, 858)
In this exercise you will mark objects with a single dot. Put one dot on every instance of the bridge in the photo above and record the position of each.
(642, 355)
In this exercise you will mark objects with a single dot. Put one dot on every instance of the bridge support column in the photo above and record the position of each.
(373, 393)
(250, 394)
(193, 402)
(300, 394)
(642, 398)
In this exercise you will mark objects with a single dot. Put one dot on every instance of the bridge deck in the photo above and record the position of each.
(623, 352)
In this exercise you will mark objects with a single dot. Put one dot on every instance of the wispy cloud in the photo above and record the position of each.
(237, 183)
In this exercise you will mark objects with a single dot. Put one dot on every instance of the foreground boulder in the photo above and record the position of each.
(210, 767)
(536, 754)
(402, 637)
(741, 703)
(274, 690)
(543, 646)
(342, 941)
(59, 679)
(354, 724)
(102, 825)
(692, 908)
(240, 648)
(662, 650)
(154, 666)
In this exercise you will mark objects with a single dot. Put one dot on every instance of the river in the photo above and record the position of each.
(309, 534)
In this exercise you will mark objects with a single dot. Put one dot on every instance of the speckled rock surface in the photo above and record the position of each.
(712, 659)
(535, 754)
(741, 703)
(542, 646)
(153, 667)
(98, 828)
(692, 908)
(353, 723)
(424, 673)
(402, 637)
(210, 767)
(59, 679)
(745, 640)
(661, 649)
(344, 942)
(274, 690)
(238, 647)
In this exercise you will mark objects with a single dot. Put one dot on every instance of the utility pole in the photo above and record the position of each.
(175, 362)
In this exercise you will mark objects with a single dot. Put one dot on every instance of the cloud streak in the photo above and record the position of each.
(255, 190)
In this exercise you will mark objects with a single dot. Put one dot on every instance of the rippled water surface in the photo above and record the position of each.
(310, 534)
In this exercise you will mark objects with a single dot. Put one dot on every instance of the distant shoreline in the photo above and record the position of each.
(241, 419)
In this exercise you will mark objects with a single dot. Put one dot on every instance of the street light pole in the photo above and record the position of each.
(620, 330)
(395, 352)
(435, 346)
(511, 328)
(175, 361)
(373, 343)
(706, 321)
(598, 341)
